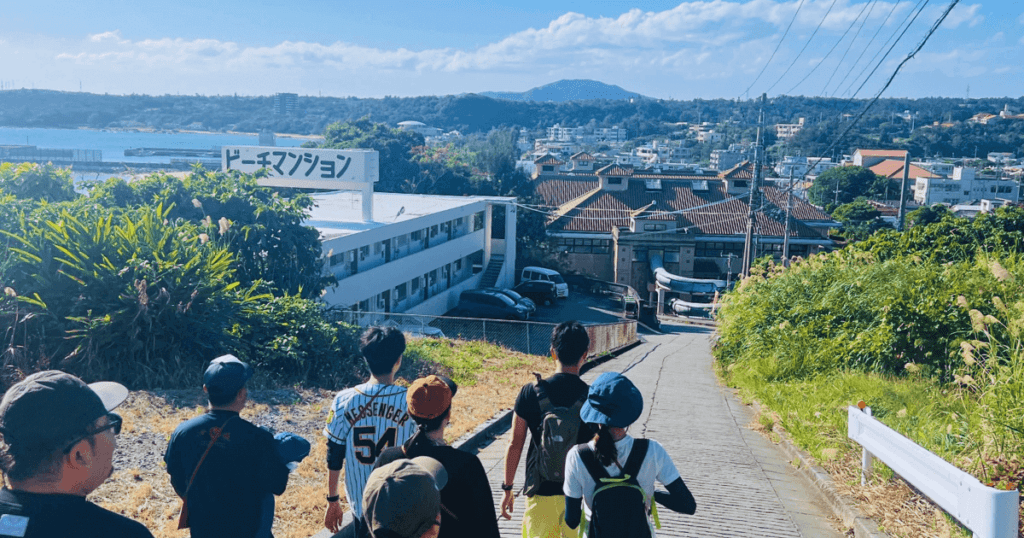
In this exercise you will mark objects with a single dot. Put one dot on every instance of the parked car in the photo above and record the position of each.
(540, 291)
(415, 329)
(547, 275)
(489, 304)
(531, 306)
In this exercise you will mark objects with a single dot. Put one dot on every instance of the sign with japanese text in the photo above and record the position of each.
(302, 167)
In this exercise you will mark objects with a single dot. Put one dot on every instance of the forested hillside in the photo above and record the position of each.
(471, 113)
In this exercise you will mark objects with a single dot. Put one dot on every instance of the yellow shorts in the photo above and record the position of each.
(545, 518)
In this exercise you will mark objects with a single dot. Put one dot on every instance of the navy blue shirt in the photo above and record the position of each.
(241, 469)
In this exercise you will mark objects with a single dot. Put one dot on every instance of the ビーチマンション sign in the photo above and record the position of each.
(301, 167)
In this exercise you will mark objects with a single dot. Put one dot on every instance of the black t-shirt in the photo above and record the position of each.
(468, 510)
(563, 390)
(47, 516)
(242, 468)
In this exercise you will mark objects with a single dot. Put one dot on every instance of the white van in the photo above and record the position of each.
(547, 275)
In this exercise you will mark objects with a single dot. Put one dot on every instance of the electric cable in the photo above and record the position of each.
(866, 48)
(827, 54)
(856, 34)
(805, 45)
(922, 4)
(777, 46)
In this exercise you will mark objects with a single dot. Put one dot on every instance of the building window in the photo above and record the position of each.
(414, 284)
(337, 259)
(400, 292)
(654, 227)
(458, 264)
(615, 181)
(364, 252)
(548, 168)
(417, 235)
(671, 257)
(478, 220)
(364, 306)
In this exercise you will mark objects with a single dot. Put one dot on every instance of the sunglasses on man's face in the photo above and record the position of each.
(113, 422)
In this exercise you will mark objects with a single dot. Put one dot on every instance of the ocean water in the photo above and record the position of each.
(113, 143)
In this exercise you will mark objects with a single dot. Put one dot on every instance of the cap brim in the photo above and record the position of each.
(110, 393)
(435, 469)
(591, 415)
(451, 384)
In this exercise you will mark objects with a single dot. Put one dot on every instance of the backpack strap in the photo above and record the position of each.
(636, 458)
(589, 458)
(543, 401)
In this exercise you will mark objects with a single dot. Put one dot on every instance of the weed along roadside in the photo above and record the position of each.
(489, 378)
(932, 344)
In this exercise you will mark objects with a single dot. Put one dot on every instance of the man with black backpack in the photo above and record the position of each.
(550, 409)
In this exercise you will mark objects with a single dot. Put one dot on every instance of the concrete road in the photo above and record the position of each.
(743, 484)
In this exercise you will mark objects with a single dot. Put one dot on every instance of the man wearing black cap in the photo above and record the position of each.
(222, 465)
(467, 506)
(57, 440)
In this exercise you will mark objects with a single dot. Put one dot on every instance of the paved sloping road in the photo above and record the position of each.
(743, 484)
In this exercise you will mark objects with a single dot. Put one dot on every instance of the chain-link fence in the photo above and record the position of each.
(524, 336)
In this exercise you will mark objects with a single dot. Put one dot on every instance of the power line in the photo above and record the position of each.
(804, 47)
(777, 46)
(827, 54)
(911, 17)
(913, 53)
(866, 47)
(824, 90)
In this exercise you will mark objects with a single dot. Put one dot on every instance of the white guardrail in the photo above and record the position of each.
(988, 512)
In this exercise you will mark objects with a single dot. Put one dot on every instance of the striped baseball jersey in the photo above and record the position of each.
(367, 419)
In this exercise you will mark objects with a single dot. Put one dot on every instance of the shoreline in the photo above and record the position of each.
(154, 130)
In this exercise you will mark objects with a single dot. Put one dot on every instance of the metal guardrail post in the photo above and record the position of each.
(484, 322)
(866, 460)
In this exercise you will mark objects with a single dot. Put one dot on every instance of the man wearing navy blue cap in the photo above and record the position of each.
(222, 465)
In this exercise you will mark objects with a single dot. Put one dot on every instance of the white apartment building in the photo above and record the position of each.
(725, 159)
(786, 131)
(408, 253)
(963, 186)
(803, 166)
(416, 255)
(583, 135)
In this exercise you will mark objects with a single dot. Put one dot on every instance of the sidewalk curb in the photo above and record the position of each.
(502, 421)
(847, 512)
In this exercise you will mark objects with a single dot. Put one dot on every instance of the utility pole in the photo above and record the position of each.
(748, 254)
(785, 233)
(903, 192)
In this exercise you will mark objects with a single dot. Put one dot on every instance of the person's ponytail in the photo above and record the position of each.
(605, 446)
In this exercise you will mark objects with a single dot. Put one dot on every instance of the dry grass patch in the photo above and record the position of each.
(489, 378)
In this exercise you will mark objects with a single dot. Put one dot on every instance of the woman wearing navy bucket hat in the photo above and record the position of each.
(610, 480)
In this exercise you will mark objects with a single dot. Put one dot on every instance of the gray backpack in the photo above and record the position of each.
(559, 428)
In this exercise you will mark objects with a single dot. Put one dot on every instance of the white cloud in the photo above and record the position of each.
(705, 40)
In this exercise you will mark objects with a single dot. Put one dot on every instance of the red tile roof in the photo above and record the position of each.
(604, 210)
(548, 158)
(582, 156)
(893, 169)
(615, 170)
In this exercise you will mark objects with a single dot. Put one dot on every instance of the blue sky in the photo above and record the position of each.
(705, 49)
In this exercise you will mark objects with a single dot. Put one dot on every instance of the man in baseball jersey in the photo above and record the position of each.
(364, 420)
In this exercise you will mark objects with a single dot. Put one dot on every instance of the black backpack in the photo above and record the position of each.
(558, 432)
(619, 508)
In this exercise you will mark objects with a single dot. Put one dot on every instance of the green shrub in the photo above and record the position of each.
(127, 296)
(845, 310)
(291, 339)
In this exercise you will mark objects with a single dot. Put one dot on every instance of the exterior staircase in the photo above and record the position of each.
(490, 277)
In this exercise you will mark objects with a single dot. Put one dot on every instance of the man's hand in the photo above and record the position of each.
(507, 504)
(332, 519)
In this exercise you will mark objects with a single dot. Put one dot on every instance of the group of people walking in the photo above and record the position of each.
(585, 475)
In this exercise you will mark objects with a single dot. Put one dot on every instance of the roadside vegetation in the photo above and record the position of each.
(926, 327)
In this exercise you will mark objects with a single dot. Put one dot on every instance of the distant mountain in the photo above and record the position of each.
(566, 90)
